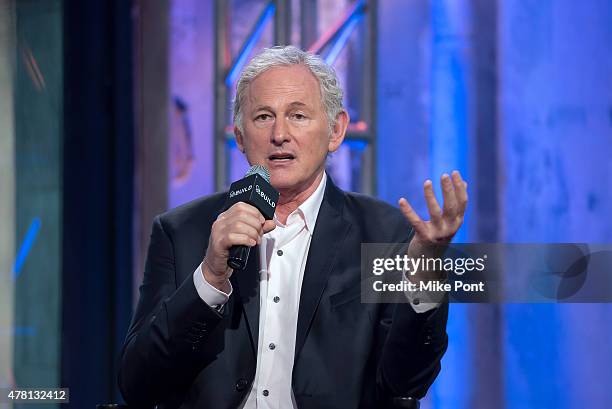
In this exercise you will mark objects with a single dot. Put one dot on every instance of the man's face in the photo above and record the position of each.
(286, 128)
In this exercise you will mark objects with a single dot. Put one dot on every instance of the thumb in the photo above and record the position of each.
(268, 226)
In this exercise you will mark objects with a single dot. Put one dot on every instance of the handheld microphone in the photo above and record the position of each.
(254, 189)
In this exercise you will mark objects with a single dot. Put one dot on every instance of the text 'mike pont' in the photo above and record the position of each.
(253, 189)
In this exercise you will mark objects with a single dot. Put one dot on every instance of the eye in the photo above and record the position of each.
(263, 117)
(298, 116)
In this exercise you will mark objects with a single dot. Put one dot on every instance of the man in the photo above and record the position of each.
(289, 330)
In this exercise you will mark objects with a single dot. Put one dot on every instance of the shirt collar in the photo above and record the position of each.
(309, 210)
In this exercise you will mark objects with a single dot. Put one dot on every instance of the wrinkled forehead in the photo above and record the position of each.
(285, 85)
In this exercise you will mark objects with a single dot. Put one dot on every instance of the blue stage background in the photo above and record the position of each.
(518, 96)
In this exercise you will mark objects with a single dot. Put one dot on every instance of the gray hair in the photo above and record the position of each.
(331, 93)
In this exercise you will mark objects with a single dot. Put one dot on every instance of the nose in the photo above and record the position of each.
(280, 132)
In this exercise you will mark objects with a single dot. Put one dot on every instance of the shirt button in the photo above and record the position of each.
(279, 253)
(276, 299)
(271, 346)
(265, 392)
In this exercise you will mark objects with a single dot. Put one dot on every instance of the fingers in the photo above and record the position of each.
(460, 191)
(241, 224)
(254, 232)
(228, 233)
(238, 239)
(450, 209)
(412, 217)
(244, 209)
(443, 223)
(433, 207)
(241, 233)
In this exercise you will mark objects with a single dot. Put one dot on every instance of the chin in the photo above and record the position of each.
(290, 184)
(282, 182)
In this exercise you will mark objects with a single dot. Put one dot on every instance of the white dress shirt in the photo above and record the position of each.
(283, 254)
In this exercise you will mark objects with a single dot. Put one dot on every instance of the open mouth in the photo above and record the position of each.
(281, 157)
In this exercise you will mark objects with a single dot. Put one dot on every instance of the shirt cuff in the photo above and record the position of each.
(421, 301)
(209, 294)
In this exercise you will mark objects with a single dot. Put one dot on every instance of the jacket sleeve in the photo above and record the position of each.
(413, 343)
(170, 337)
(411, 355)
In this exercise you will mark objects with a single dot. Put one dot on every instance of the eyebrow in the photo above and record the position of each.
(293, 104)
(298, 104)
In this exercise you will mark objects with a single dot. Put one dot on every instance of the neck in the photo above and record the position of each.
(290, 200)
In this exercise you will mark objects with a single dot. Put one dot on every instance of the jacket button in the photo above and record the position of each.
(241, 384)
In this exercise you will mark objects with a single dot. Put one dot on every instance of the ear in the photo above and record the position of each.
(338, 131)
(239, 139)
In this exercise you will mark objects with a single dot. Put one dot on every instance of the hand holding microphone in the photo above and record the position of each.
(247, 215)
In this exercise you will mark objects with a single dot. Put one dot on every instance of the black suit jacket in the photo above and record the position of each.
(179, 352)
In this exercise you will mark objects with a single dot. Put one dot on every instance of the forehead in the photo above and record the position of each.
(280, 85)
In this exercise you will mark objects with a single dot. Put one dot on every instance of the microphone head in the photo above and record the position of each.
(259, 170)
(254, 189)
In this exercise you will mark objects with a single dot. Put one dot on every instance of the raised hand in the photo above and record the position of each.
(443, 222)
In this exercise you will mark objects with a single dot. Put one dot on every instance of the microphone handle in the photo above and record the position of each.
(238, 257)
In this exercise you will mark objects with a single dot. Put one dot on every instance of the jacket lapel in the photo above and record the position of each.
(329, 234)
